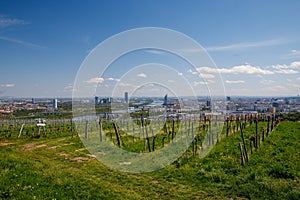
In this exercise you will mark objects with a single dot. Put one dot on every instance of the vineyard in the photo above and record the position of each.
(253, 157)
(142, 135)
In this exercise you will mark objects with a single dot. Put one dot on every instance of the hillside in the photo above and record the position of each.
(57, 166)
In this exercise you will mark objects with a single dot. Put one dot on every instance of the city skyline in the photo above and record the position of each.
(255, 46)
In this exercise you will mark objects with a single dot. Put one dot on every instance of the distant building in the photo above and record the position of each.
(32, 101)
(287, 102)
(54, 103)
(105, 100)
(96, 99)
(167, 103)
(126, 97)
(166, 100)
(255, 106)
(228, 98)
(208, 103)
(275, 104)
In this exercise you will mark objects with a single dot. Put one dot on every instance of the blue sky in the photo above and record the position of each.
(255, 44)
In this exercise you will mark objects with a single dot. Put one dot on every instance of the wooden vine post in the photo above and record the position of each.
(272, 122)
(173, 128)
(251, 146)
(86, 129)
(71, 124)
(100, 127)
(117, 134)
(227, 126)
(244, 143)
(153, 143)
(21, 129)
(193, 137)
(256, 133)
(147, 137)
(242, 154)
(268, 127)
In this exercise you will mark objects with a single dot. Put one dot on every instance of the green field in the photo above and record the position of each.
(57, 166)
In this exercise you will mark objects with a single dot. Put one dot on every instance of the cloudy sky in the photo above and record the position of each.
(254, 44)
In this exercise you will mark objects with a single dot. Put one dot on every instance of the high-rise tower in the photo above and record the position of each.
(96, 99)
(126, 97)
(165, 100)
(54, 104)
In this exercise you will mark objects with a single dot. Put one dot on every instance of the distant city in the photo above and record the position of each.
(19, 107)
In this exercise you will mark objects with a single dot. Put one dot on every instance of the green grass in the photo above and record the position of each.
(57, 166)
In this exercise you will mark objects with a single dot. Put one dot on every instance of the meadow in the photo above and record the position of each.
(58, 166)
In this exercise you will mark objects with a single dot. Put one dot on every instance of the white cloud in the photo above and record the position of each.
(68, 88)
(206, 76)
(125, 85)
(202, 75)
(243, 45)
(113, 79)
(192, 72)
(280, 67)
(264, 80)
(210, 81)
(180, 74)
(250, 69)
(196, 83)
(8, 85)
(207, 70)
(142, 75)
(293, 85)
(286, 69)
(154, 90)
(246, 69)
(234, 81)
(28, 44)
(6, 22)
(292, 54)
(298, 78)
(240, 69)
(295, 65)
(276, 88)
(95, 80)
(172, 81)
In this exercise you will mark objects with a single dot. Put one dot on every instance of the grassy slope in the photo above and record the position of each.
(59, 168)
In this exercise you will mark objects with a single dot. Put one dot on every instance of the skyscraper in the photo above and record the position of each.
(54, 104)
(96, 99)
(126, 97)
(208, 103)
(166, 100)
